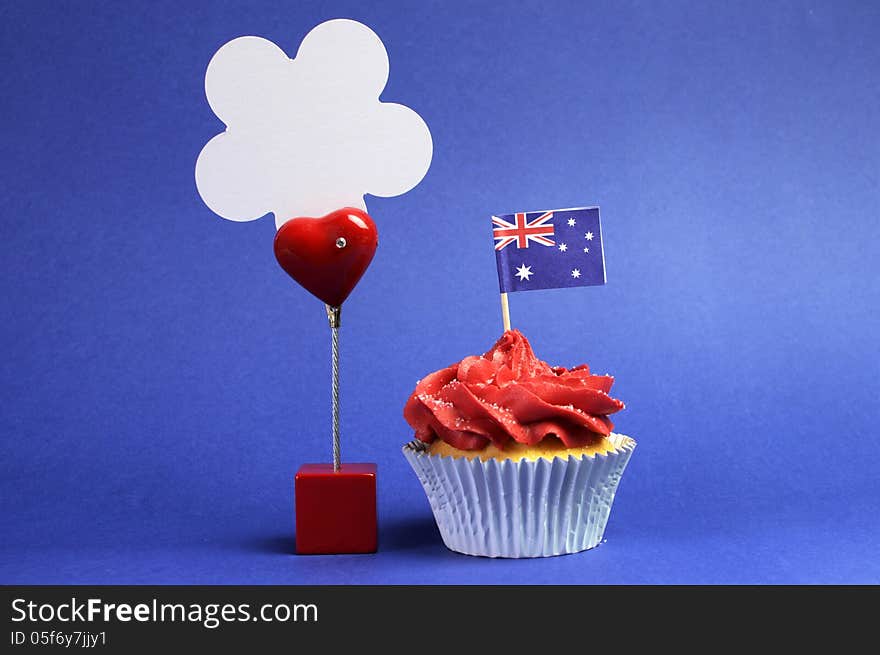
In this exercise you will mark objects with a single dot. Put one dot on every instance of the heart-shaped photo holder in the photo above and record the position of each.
(327, 256)
(291, 128)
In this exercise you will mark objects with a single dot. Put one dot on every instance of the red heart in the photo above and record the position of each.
(328, 255)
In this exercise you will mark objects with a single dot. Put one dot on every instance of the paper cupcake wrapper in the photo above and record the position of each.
(521, 508)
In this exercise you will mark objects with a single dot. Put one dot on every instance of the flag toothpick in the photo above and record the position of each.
(554, 249)
(505, 312)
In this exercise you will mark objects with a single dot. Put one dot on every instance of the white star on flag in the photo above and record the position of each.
(586, 250)
(563, 247)
(571, 222)
(523, 272)
(576, 273)
(588, 236)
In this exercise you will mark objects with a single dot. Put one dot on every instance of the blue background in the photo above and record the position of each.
(162, 379)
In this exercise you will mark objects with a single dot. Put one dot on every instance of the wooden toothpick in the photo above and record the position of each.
(505, 312)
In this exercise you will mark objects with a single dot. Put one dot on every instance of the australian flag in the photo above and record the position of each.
(549, 249)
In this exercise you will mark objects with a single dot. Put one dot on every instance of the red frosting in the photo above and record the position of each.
(508, 393)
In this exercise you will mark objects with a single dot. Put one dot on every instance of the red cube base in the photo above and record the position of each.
(335, 510)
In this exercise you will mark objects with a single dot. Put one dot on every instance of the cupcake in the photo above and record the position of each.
(517, 458)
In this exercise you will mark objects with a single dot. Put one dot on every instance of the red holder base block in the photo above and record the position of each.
(335, 511)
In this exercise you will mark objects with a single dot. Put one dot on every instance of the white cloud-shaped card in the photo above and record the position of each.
(309, 135)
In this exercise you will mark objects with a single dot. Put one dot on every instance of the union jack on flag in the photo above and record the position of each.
(523, 231)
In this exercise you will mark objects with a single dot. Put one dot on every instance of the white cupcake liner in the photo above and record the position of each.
(521, 508)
